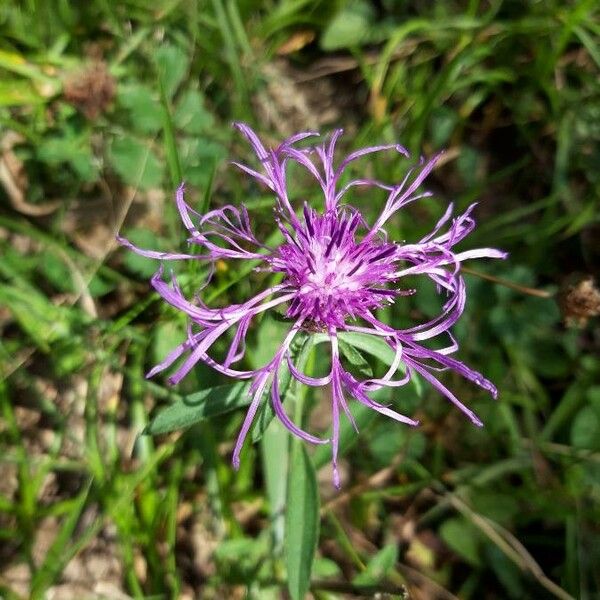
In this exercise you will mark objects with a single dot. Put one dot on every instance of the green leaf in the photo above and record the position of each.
(270, 331)
(301, 522)
(190, 114)
(443, 121)
(275, 446)
(324, 568)
(509, 574)
(265, 413)
(199, 406)
(172, 65)
(199, 157)
(141, 265)
(240, 560)
(170, 143)
(356, 359)
(61, 550)
(376, 346)
(72, 148)
(143, 107)
(166, 336)
(43, 321)
(350, 27)
(387, 439)
(372, 344)
(469, 165)
(462, 537)
(585, 430)
(56, 272)
(136, 163)
(363, 416)
(19, 92)
(500, 507)
(379, 566)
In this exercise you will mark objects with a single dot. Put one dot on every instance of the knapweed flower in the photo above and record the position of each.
(336, 271)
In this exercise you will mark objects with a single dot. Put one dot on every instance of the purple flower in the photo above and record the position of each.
(336, 272)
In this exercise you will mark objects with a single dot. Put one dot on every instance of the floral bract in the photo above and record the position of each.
(337, 271)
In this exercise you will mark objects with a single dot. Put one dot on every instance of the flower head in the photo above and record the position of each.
(337, 271)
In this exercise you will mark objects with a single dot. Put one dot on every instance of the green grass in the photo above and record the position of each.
(509, 88)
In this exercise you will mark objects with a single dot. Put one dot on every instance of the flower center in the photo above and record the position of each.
(336, 276)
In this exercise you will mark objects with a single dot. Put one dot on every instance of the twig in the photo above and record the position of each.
(416, 575)
(369, 591)
(562, 450)
(510, 284)
(509, 545)
(374, 481)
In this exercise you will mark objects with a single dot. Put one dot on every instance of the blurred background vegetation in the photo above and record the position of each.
(106, 106)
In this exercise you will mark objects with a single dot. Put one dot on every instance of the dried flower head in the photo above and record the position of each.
(337, 271)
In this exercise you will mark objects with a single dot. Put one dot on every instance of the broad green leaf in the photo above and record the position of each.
(585, 430)
(242, 559)
(388, 438)
(166, 336)
(350, 27)
(136, 163)
(72, 148)
(264, 417)
(301, 522)
(443, 120)
(379, 566)
(190, 114)
(56, 272)
(462, 537)
(199, 157)
(172, 64)
(43, 321)
(143, 107)
(266, 414)
(275, 438)
(19, 92)
(506, 570)
(324, 568)
(199, 406)
(498, 506)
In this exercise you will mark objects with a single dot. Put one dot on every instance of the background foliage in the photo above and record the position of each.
(105, 107)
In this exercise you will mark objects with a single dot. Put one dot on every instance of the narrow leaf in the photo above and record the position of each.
(197, 407)
(378, 567)
(372, 344)
(170, 143)
(356, 359)
(266, 414)
(275, 446)
(301, 522)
